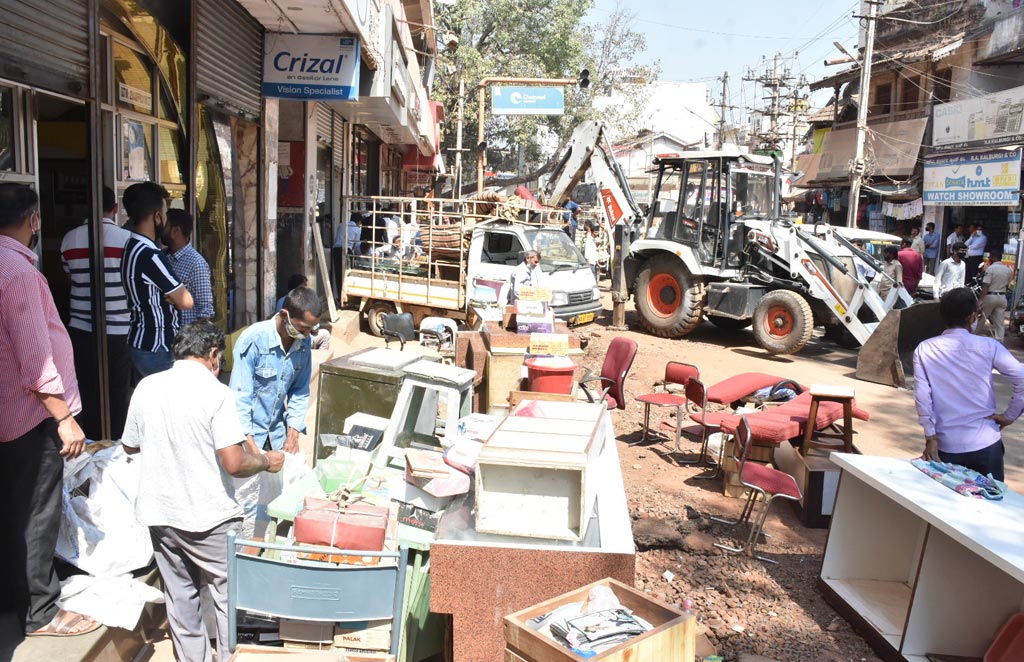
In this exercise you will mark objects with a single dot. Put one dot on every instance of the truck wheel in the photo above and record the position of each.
(670, 301)
(728, 324)
(375, 313)
(783, 322)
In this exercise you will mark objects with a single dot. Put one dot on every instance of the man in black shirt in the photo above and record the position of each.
(154, 293)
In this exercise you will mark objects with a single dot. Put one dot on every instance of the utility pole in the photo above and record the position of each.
(776, 79)
(857, 167)
(797, 106)
(458, 139)
(722, 107)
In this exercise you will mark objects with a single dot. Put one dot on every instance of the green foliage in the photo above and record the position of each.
(536, 39)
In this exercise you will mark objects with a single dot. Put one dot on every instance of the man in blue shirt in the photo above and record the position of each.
(569, 218)
(931, 247)
(272, 369)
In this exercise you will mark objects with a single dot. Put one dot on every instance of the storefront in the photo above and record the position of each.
(973, 169)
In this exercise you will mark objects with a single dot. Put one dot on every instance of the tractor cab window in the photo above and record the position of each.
(692, 203)
(664, 212)
(753, 192)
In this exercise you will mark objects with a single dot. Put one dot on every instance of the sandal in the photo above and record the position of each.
(67, 624)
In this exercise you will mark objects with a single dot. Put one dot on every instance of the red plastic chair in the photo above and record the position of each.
(763, 481)
(697, 402)
(617, 363)
(675, 373)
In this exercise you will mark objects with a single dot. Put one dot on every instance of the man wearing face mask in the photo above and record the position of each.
(39, 394)
(272, 369)
(154, 293)
(183, 424)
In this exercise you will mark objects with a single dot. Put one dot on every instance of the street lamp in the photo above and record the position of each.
(481, 158)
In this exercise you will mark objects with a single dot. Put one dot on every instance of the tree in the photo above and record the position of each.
(538, 39)
(620, 84)
(513, 38)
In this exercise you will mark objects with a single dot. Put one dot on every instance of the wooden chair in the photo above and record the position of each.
(761, 481)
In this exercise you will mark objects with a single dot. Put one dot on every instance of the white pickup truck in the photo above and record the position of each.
(440, 278)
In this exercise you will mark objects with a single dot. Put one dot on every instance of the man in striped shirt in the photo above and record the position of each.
(74, 253)
(154, 292)
(189, 266)
(39, 395)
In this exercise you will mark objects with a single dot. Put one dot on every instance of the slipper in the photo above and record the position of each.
(63, 625)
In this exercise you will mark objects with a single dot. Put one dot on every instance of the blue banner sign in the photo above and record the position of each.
(987, 179)
(311, 67)
(524, 100)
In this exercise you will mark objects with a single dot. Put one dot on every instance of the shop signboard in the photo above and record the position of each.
(992, 120)
(985, 179)
(527, 100)
(311, 67)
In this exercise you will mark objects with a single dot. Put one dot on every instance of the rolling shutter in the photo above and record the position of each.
(45, 43)
(229, 46)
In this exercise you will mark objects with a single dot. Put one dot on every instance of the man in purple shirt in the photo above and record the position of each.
(956, 403)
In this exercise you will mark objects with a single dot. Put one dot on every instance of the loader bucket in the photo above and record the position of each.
(899, 333)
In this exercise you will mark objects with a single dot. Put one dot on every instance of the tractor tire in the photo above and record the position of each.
(375, 313)
(783, 322)
(669, 300)
(841, 336)
(728, 324)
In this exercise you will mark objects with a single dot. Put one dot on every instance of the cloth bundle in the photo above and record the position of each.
(912, 209)
(962, 480)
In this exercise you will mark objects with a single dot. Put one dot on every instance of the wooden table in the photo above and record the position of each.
(918, 568)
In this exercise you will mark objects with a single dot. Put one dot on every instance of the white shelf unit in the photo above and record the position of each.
(918, 567)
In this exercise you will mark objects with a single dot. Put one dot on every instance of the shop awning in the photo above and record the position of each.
(807, 167)
(890, 150)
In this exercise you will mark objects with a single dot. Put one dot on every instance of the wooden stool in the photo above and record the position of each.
(829, 440)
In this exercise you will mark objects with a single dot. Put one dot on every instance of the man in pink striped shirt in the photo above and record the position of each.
(40, 398)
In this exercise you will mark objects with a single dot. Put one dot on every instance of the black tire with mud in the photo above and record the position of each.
(675, 308)
(375, 310)
(783, 322)
(728, 324)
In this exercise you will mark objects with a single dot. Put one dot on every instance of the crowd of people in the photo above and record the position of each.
(169, 408)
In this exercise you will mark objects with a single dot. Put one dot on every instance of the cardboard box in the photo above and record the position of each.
(344, 530)
(673, 638)
(249, 653)
(535, 324)
(366, 635)
(307, 632)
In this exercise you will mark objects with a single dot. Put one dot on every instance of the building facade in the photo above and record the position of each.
(100, 93)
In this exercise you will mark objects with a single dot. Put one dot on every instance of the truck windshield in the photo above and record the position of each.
(753, 191)
(666, 199)
(556, 249)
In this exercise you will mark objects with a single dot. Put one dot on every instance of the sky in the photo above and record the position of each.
(696, 41)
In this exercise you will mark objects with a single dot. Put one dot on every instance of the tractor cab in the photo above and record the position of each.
(701, 200)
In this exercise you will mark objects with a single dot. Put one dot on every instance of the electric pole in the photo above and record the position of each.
(723, 106)
(777, 80)
(857, 167)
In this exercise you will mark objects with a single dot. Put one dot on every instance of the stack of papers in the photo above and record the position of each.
(599, 630)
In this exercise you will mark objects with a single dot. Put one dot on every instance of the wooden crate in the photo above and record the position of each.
(673, 638)
(532, 477)
(818, 480)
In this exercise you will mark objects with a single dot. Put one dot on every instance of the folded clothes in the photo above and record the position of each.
(962, 480)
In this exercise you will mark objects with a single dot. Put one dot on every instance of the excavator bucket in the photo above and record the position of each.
(897, 335)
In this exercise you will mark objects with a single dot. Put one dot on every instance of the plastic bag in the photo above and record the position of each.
(256, 492)
(115, 601)
(99, 532)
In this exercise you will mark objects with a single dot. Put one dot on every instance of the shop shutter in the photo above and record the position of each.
(339, 142)
(229, 44)
(324, 128)
(45, 43)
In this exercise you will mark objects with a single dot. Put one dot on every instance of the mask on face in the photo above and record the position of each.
(33, 241)
(290, 329)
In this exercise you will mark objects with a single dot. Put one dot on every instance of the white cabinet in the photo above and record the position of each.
(920, 568)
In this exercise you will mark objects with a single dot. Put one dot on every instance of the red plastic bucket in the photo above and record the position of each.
(551, 375)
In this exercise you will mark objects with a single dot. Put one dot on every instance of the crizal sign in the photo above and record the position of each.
(987, 179)
(311, 67)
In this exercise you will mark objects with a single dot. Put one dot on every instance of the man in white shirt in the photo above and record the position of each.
(527, 274)
(864, 270)
(956, 235)
(993, 293)
(950, 274)
(917, 241)
(184, 425)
